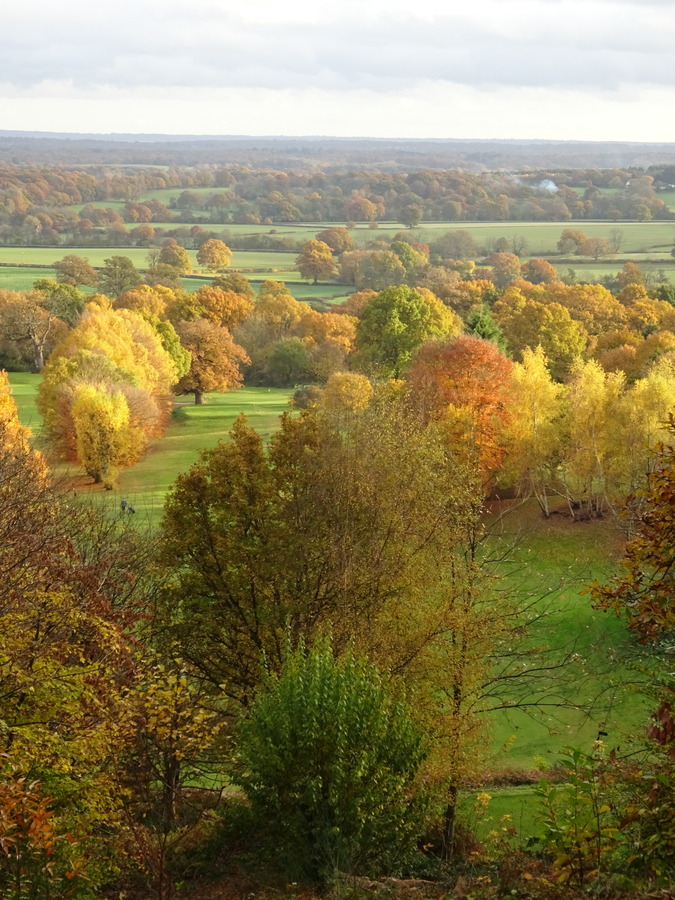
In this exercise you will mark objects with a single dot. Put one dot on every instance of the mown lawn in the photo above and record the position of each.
(556, 560)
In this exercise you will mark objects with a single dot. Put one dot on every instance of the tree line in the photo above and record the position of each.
(37, 204)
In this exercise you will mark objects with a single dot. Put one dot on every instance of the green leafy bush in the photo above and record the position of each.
(331, 762)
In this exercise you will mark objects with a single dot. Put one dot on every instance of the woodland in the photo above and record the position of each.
(330, 655)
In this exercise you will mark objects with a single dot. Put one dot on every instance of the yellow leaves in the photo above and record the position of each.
(347, 392)
(106, 441)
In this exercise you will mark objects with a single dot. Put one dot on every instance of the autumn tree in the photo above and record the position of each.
(216, 359)
(592, 305)
(394, 324)
(592, 460)
(113, 352)
(539, 271)
(570, 240)
(177, 257)
(146, 299)
(25, 318)
(347, 392)
(338, 239)
(74, 270)
(532, 434)
(461, 383)
(225, 308)
(104, 437)
(215, 255)
(71, 587)
(236, 282)
(359, 209)
(315, 261)
(595, 247)
(505, 268)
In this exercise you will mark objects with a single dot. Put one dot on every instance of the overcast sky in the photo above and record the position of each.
(564, 69)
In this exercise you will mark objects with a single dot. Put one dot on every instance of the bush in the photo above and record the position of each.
(331, 760)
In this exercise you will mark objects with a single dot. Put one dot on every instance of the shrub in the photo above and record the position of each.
(331, 760)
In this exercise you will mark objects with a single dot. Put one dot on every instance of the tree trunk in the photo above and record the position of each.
(199, 398)
(450, 820)
(38, 357)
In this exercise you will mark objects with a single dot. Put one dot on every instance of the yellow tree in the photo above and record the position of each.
(146, 300)
(646, 410)
(113, 351)
(226, 308)
(347, 391)
(315, 261)
(215, 255)
(105, 438)
(597, 441)
(532, 432)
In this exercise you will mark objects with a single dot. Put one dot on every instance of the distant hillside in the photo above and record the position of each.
(314, 152)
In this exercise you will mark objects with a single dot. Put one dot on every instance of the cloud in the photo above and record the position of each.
(368, 45)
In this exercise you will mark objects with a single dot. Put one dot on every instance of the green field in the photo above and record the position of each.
(20, 278)
(562, 557)
(241, 259)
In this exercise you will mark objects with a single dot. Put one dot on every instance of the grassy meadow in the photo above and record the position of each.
(191, 429)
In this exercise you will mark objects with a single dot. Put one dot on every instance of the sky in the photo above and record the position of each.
(551, 69)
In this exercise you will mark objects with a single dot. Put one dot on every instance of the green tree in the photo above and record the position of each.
(63, 300)
(288, 362)
(411, 215)
(455, 245)
(378, 269)
(118, 275)
(394, 324)
(348, 523)
(332, 764)
(481, 323)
